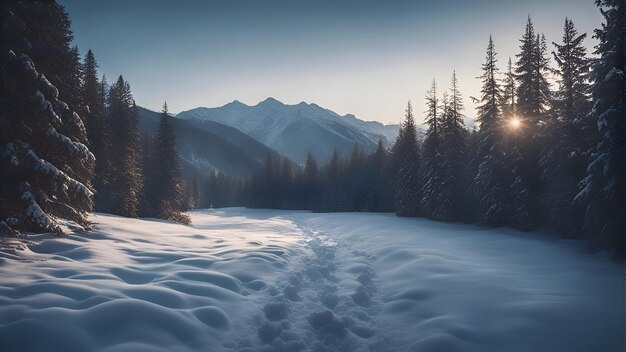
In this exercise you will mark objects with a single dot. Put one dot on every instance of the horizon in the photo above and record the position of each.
(346, 58)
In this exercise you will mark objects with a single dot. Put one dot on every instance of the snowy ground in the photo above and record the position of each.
(250, 280)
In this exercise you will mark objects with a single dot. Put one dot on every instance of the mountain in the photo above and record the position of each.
(208, 146)
(294, 130)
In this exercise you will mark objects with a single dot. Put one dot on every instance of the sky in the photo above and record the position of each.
(362, 57)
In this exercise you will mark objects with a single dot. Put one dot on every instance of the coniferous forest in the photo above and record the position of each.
(70, 140)
(547, 150)
(543, 155)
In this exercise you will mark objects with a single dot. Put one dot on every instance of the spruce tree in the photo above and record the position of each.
(453, 135)
(126, 178)
(533, 96)
(168, 185)
(98, 131)
(310, 183)
(45, 166)
(602, 190)
(564, 157)
(488, 189)
(149, 162)
(432, 202)
(382, 182)
(406, 151)
(508, 101)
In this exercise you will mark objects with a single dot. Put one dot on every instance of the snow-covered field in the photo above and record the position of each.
(250, 280)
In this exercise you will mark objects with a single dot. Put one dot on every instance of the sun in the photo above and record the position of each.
(515, 123)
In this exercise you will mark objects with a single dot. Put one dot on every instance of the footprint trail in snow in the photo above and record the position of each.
(328, 302)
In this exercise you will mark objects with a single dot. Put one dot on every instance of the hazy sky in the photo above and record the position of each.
(356, 56)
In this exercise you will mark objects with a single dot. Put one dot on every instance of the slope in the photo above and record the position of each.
(210, 146)
(294, 130)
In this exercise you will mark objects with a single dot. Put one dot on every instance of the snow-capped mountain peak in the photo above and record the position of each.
(294, 130)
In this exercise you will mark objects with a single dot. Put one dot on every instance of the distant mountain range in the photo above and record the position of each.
(294, 130)
(208, 146)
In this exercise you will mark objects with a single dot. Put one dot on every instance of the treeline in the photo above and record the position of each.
(69, 142)
(542, 155)
(357, 183)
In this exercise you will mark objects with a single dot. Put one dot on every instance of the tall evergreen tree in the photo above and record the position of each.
(508, 102)
(406, 151)
(169, 188)
(564, 156)
(432, 106)
(432, 202)
(310, 183)
(98, 131)
(149, 161)
(533, 97)
(382, 180)
(603, 186)
(45, 166)
(453, 135)
(488, 189)
(127, 179)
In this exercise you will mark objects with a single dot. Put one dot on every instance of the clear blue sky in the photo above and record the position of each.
(352, 56)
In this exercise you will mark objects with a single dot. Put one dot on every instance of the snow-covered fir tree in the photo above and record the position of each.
(603, 186)
(45, 166)
(563, 159)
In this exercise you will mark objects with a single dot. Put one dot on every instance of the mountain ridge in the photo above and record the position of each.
(294, 130)
(208, 146)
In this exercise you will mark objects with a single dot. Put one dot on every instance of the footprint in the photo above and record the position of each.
(276, 311)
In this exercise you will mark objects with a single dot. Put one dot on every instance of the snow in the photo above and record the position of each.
(271, 121)
(50, 89)
(75, 148)
(250, 280)
(34, 213)
(45, 167)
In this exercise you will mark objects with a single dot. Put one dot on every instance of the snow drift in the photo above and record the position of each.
(250, 280)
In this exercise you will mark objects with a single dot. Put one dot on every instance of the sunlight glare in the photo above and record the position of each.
(515, 123)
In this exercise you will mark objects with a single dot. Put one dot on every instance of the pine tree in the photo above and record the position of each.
(432, 203)
(603, 186)
(508, 101)
(127, 179)
(453, 136)
(563, 159)
(98, 131)
(533, 94)
(310, 183)
(432, 112)
(168, 184)
(382, 181)
(333, 195)
(45, 166)
(533, 97)
(488, 189)
(149, 161)
(406, 151)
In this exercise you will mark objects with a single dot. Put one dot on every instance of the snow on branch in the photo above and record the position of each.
(34, 213)
(47, 168)
(75, 148)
